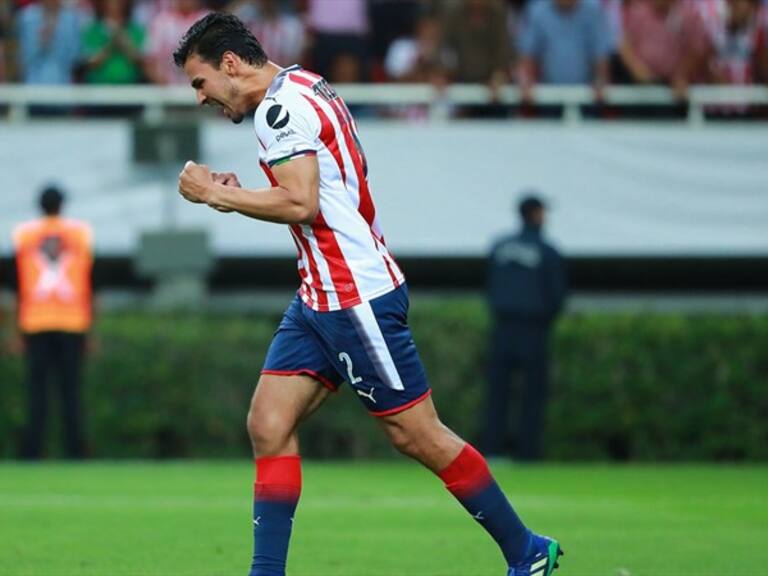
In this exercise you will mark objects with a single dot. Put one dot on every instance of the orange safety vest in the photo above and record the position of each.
(54, 261)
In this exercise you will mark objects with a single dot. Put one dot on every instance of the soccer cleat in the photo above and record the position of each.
(542, 558)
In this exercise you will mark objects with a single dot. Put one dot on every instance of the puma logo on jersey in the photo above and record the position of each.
(278, 116)
(369, 395)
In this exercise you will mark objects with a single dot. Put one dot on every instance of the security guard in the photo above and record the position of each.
(526, 292)
(54, 261)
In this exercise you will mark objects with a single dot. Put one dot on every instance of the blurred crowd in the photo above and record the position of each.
(495, 42)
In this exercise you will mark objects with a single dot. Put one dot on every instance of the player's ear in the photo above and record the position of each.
(230, 63)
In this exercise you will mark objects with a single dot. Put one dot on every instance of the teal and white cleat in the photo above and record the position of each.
(542, 558)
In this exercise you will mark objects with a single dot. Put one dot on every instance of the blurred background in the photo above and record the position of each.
(640, 124)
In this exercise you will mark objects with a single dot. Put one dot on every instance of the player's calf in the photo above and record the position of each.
(418, 432)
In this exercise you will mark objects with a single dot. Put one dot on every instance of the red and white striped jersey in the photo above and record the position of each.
(342, 257)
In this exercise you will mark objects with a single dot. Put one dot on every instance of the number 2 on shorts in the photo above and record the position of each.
(344, 357)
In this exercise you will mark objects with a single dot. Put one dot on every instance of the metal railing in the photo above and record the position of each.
(155, 100)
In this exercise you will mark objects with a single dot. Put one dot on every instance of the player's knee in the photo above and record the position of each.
(405, 443)
(269, 433)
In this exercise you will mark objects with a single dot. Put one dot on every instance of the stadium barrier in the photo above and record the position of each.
(156, 100)
(646, 387)
(625, 189)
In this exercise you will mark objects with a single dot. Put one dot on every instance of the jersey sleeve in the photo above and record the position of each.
(288, 129)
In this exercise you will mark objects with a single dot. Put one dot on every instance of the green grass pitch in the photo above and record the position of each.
(371, 519)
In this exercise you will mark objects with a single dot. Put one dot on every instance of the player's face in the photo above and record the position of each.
(215, 87)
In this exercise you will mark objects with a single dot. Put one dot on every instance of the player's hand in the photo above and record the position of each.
(195, 182)
(226, 178)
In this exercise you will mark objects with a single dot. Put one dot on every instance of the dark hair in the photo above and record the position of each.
(528, 206)
(51, 199)
(215, 34)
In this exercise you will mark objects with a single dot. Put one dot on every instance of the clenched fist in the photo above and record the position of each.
(195, 182)
(226, 178)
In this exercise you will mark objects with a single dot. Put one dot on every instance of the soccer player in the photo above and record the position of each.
(348, 321)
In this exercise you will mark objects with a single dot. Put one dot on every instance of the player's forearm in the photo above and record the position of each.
(276, 204)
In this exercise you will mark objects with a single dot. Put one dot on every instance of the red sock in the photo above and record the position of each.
(278, 478)
(276, 494)
(468, 474)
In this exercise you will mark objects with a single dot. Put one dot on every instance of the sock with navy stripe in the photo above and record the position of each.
(470, 481)
(276, 494)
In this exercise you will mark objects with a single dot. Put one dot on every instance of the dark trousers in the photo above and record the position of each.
(58, 355)
(518, 347)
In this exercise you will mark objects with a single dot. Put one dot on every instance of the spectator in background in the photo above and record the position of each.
(49, 42)
(764, 15)
(281, 34)
(165, 31)
(733, 52)
(564, 42)
(477, 43)
(664, 42)
(3, 41)
(339, 49)
(6, 11)
(515, 9)
(145, 10)
(614, 15)
(391, 20)
(113, 45)
(762, 43)
(526, 292)
(24, 3)
(419, 57)
(54, 261)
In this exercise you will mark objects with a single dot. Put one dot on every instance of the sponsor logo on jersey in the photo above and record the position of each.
(285, 134)
(277, 117)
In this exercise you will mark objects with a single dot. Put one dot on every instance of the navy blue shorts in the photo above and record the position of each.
(369, 346)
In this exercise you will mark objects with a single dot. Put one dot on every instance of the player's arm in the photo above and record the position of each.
(295, 200)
